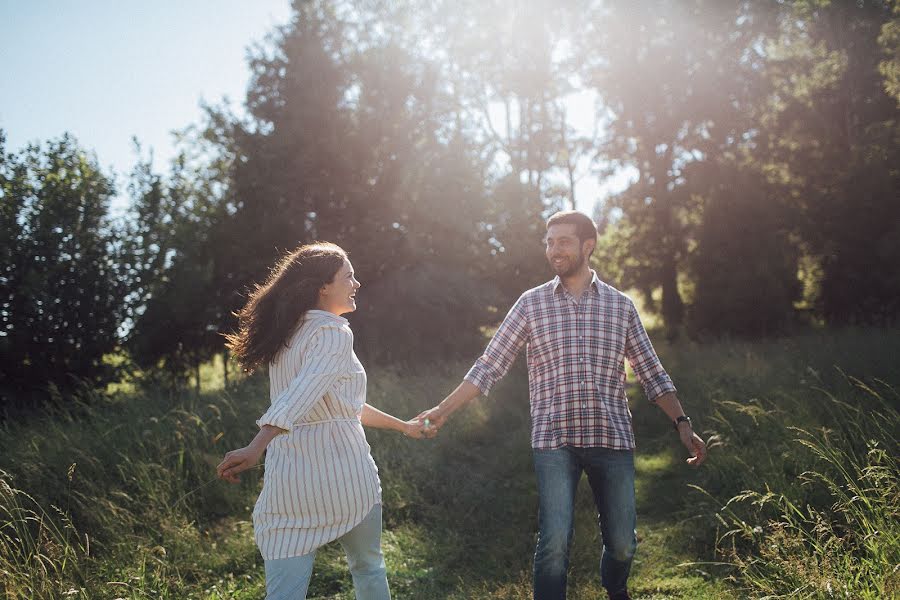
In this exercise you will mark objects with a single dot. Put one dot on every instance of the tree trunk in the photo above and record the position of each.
(225, 356)
(672, 304)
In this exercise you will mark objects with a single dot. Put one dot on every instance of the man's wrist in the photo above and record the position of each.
(679, 422)
(440, 413)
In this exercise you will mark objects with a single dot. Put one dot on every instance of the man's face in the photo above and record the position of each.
(565, 253)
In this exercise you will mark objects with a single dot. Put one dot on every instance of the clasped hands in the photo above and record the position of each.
(425, 425)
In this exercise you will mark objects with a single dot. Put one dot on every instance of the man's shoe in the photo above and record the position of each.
(623, 595)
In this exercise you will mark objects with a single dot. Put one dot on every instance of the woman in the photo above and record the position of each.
(321, 483)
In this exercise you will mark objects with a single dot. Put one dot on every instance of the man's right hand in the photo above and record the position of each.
(464, 393)
(434, 418)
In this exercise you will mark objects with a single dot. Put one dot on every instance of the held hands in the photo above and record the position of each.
(237, 461)
(694, 443)
(418, 428)
(425, 425)
(433, 418)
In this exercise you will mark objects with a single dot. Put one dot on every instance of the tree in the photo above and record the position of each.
(351, 139)
(680, 79)
(831, 137)
(65, 271)
(745, 265)
(175, 309)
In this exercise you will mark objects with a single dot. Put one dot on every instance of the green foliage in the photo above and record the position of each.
(120, 493)
(40, 553)
(139, 515)
(432, 141)
(350, 143)
(829, 139)
(681, 96)
(745, 265)
(889, 41)
(837, 532)
(176, 311)
(65, 272)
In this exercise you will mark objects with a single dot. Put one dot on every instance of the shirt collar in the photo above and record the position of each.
(595, 283)
(315, 312)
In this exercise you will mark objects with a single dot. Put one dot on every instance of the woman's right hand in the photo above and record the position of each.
(237, 461)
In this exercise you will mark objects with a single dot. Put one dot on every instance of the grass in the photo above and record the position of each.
(115, 498)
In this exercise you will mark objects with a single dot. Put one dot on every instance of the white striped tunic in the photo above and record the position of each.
(320, 479)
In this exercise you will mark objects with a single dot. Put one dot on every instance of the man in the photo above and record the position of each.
(578, 331)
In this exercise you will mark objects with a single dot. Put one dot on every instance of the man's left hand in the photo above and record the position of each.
(695, 445)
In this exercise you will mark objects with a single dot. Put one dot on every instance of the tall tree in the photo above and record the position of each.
(64, 271)
(176, 312)
(680, 79)
(832, 137)
(351, 139)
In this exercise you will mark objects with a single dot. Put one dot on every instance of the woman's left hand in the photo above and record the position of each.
(237, 461)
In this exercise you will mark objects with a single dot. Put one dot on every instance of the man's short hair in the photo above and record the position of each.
(585, 228)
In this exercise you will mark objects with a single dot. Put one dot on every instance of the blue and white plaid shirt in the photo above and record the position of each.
(576, 368)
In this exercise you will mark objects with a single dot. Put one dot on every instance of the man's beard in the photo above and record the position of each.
(573, 269)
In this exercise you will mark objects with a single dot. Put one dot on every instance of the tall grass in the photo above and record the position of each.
(41, 554)
(119, 492)
(835, 532)
(116, 498)
(818, 514)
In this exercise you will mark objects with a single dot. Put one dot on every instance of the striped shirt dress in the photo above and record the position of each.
(320, 478)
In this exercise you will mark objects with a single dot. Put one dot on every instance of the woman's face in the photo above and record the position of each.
(339, 296)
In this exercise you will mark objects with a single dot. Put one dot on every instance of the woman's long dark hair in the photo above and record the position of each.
(274, 309)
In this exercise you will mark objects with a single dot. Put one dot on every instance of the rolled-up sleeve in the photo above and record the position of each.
(502, 350)
(326, 359)
(644, 361)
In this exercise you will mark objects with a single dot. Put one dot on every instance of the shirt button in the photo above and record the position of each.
(584, 405)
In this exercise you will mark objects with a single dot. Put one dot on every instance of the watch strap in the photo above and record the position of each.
(680, 420)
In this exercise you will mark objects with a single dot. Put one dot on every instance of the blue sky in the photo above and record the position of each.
(109, 70)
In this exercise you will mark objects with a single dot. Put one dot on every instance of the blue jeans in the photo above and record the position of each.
(611, 477)
(288, 578)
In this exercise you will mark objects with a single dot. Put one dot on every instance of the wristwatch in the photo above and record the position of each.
(680, 420)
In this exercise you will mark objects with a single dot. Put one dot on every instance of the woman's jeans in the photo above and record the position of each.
(611, 477)
(288, 578)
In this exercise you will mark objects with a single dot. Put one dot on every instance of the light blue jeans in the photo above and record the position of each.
(610, 474)
(288, 578)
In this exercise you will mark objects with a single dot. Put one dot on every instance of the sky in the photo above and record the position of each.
(109, 71)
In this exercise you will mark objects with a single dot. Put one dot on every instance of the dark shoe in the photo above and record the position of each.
(623, 595)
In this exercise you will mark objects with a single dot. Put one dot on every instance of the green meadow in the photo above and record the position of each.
(115, 497)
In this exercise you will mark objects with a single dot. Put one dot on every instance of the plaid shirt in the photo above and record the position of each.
(576, 369)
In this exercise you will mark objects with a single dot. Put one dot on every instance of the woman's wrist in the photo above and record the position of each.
(266, 434)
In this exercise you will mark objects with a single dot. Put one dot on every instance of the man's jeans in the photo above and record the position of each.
(611, 477)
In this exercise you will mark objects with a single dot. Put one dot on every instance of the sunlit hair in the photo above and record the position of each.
(585, 228)
(275, 309)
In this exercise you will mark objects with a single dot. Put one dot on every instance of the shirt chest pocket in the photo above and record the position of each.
(351, 387)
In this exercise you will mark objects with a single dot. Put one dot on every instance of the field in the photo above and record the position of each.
(116, 497)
